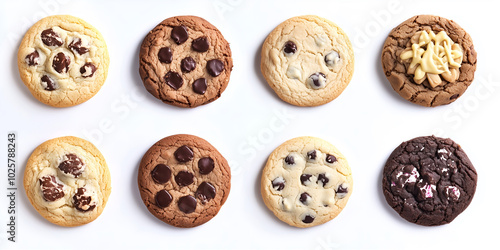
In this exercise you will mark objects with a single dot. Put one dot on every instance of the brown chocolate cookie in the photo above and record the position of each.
(429, 180)
(429, 60)
(185, 61)
(184, 180)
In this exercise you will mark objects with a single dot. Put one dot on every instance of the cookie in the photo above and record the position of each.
(185, 61)
(307, 60)
(429, 60)
(429, 180)
(67, 181)
(306, 182)
(63, 60)
(183, 180)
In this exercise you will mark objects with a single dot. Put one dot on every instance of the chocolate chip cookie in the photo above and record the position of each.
(63, 60)
(429, 180)
(306, 182)
(67, 181)
(429, 60)
(185, 61)
(307, 60)
(183, 180)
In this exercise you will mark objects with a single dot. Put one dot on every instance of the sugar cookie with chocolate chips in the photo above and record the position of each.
(183, 180)
(185, 61)
(306, 182)
(63, 60)
(429, 60)
(429, 180)
(67, 181)
(307, 60)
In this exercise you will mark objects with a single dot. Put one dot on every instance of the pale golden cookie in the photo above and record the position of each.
(67, 181)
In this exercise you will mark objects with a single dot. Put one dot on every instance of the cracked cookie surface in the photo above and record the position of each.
(184, 180)
(306, 182)
(307, 60)
(63, 60)
(67, 181)
(396, 69)
(185, 61)
(429, 180)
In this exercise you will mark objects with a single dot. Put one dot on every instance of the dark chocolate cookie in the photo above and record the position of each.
(429, 180)
(183, 180)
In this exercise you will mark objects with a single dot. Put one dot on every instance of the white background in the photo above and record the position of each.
(366, 123)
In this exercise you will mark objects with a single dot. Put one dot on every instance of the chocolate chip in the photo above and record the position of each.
(51, 190)
(179, 34)
(163, 198)
(88, 70)
(289, 160)
(165, 55)
(308, 219)
(342, 191)
(184, 178)
(317, 80)
(290, 48)
(305, 198)
(311, 155)
(330, 158)
(50, 38)
(61, 63)
(76, 46)
(278, 183)
(184, 154)
(455, 96)
(200, 44)
(205, 192)
(215, 67)
(82, 202)
(305, 178)
(187, 204)
(323, 179)
(72, 165)
(188, 64)
(332, 59)
(161, 173)
(33, 58)
(48, 84)
(206, 165)
(173, 80)
(200, 86)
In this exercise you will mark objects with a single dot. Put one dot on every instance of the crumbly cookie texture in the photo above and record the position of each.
(307, 60)
(306, 182)
(67, 181)
(184, 180)
(435, 84)
(429, 180)
(185, 61)
(63, 60)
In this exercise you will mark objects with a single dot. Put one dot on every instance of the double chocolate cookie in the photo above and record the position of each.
(306, 182)
(183, 180)
(429, 180)
(185, 61)
(429, 60)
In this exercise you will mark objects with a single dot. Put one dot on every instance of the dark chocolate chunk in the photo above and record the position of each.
(206, 165)
(322, 179)
(187, 204)
(88, 70)
(455, 96)
(200, 44)
(289, 160)
(61, 63)
(179, 34)
(72, 164)
(163, 198)
(290, 48)
(165, 55)
(161, 173)
(76, 46)
(33, 58)
(330, 158)
(305, 178)
(278, 183)
(200, 86)
(184, 178)
(51, 190)
(188, 64)
(311, 155)
(304, 198)
(317, 79)
(173, 80)
(215, 67)
(50, 38)
(205, 192)
(342, 191)
(82, 202)
(48, 83)
(308, 219)
(184, 154)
